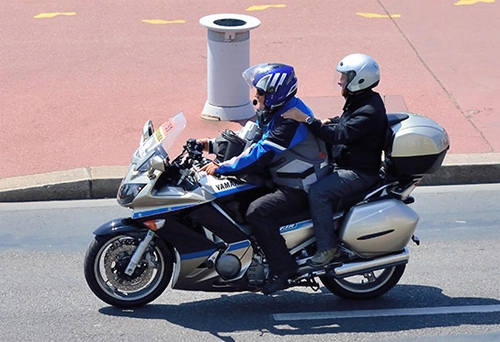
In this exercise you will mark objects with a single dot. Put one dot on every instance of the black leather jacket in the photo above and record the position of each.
(357, 136)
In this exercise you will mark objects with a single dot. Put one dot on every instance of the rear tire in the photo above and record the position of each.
(106, 260)
(364, 286)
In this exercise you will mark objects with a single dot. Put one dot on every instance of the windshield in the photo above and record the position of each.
(160, 142)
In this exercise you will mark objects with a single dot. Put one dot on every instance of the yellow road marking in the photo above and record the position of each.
(375, 15)
(162, 22)
(471, 2)
(264, 7)
(54, 14)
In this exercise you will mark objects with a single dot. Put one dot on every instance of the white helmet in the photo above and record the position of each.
(361, 70)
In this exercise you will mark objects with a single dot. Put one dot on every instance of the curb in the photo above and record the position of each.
(460, 169)
(83, 183)
(103, 182)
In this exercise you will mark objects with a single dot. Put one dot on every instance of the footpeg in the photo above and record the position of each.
(307, 282)
(415, 239)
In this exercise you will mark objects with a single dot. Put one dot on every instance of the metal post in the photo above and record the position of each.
(228, 56)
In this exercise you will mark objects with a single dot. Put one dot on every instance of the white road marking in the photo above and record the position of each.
(299, 316)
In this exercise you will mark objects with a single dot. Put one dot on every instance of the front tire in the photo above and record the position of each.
(364, 286)
(107, 258)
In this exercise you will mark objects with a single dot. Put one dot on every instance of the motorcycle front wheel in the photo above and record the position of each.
(364, 286)
(107, 259)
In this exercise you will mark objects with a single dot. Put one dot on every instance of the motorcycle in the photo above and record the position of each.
(188, 228)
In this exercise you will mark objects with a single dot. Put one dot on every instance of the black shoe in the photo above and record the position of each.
(279, 282)
(323, 258)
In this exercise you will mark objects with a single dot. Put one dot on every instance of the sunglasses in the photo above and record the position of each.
(260, 92)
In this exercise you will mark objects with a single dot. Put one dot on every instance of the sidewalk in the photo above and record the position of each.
(77, 89)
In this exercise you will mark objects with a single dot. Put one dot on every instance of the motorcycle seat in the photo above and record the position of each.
(349, 201)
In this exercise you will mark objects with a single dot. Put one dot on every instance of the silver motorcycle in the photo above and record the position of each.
(188, 228)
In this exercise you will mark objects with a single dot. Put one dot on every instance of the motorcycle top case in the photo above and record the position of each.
(418, 146)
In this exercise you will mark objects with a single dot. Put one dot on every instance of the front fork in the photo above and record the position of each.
(137, 256)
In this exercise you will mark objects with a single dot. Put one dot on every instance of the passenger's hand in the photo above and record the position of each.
(295, 114)
(210, 168)
(326, 121)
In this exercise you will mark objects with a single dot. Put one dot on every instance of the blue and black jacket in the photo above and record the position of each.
(283, 142)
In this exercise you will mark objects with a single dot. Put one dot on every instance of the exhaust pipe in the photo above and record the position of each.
(350, 269)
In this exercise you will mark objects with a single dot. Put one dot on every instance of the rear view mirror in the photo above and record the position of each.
(147, 131)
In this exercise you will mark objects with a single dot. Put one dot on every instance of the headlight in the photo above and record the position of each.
(128, 192)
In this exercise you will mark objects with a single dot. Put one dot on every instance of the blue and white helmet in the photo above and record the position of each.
(277, 81)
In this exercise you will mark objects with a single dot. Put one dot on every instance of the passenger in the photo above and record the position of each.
(294, 157)
(357, 139)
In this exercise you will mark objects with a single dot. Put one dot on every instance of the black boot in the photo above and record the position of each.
(280, 281)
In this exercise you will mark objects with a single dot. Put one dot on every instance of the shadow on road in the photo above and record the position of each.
(254, 312)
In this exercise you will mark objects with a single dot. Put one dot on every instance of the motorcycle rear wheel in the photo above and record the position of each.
(364, 286)
(106, 260)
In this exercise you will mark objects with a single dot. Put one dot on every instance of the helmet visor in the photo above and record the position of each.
(250, 73)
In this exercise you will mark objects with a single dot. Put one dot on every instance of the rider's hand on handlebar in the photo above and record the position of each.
(204, 143)
(210, 168)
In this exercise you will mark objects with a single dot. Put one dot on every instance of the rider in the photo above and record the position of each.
(294, 157)
(357, 139)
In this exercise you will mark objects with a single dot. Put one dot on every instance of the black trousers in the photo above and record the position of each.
(266, 214)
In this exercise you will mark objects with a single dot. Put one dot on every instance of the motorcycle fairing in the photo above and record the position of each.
(159, 211)
(200, 236)
(219, 225)
(206, 253)
(197, 271)
(201, 229)
(220, 187)
(236, 204)
(211, 188)
(297, 233)
(159, 200)
(118, 226)
(185, 237)
(201, 255)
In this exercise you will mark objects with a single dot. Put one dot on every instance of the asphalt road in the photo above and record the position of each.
(449, 291)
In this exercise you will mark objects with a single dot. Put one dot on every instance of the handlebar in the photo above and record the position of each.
(193, 145)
